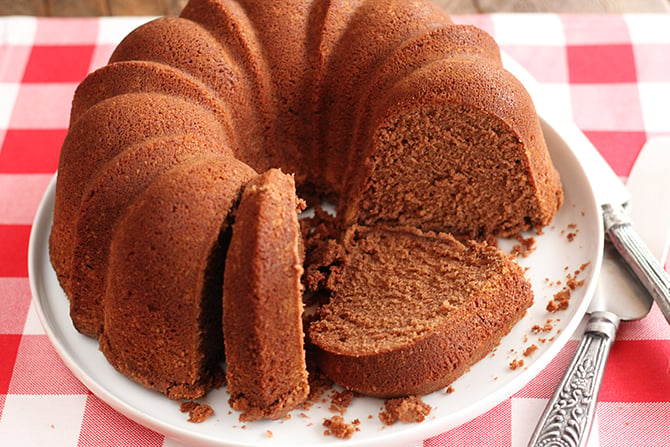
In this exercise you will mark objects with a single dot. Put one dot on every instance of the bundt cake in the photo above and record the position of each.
(262, 301)
(386, 108)
(410, 311)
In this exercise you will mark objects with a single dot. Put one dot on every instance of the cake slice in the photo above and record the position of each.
(410, 312)
(262, 301)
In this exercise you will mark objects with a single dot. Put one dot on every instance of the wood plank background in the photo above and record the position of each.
(85, 8)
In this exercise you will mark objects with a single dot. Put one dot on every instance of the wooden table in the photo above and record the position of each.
(83, 8)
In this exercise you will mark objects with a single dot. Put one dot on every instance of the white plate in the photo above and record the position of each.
(488, 383)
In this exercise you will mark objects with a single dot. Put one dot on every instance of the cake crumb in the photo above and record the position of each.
(339, 401)
(572, 283)
(530, 350)
(405, 409)
(516, 363)
(197, 412)
(450, 389)
(561, 300)
(318, 385)
(336, 426)
(269, 433)
(536, 329)
(525, 246)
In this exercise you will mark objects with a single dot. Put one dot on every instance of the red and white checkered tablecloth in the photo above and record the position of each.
(610, 73)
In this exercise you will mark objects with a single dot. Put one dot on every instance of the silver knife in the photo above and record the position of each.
(567, 419)
(609, 191)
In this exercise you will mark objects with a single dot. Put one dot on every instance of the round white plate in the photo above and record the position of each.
(573, 239)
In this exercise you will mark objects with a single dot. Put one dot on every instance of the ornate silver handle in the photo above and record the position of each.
(567, 419)
(638, 257)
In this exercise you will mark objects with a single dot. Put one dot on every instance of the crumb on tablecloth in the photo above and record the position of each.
(197, 412)
(405, 409)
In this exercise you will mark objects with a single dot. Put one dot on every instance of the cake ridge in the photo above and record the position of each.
(228, 21)
(104, 127)
(165, 326)
(374, 31)
(110, 192)
(284, 28)
(138, 76)
(328, 22)
(189, 46)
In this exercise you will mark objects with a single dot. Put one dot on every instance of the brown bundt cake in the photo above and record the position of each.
(411, 311)
(262, 301)
(386, 107)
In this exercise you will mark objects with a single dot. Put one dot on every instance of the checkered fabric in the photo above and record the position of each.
(610, 73)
